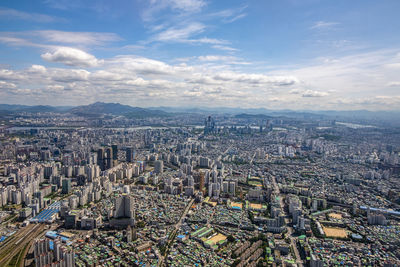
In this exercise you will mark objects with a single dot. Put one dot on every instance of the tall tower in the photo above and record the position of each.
(114, 152)
(100, 158)
(130, 154)
(158, 166)
(209, 125)
(124, 212)
(109, 158)
(124, 207)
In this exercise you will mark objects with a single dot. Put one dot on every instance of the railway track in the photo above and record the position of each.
(12, 238)
(17, 243)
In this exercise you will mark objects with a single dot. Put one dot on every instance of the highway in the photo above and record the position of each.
(17, 244)
(173, 233)
(299, 262)
(226, 151)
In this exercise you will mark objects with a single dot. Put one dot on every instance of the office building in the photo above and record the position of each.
(66, 186)
(158, 166)
(124, 214)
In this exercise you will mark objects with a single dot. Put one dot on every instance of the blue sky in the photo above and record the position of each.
(296, 54)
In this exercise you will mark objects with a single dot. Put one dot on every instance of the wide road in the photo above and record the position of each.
(226, 151)
(16, 244)
(173, 233)
(299, 262)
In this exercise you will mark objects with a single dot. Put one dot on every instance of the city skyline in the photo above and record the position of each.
(299, 55)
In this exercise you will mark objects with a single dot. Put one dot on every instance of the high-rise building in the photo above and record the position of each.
(66, 186)
(130, 154)
(209, 125)
(108, 160)
(158, 166)
(232, 187)
(204, 162)
(100, 158)
(59, 255)
(124, 207)
(124, 213)
(114, 152)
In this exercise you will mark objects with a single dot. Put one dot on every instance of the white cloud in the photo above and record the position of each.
(104, 75)
(308, 93)
(77, 38)
(217, 58)
(295, 91)
(188, 5)
(209, 41)
(393, 84)
(182, 25)
(132, 77)
(354, 76)
(371, 103)
(68, 75)
(6, 74)
(72, 57)
(142, 65)
(204, 80)
(352, 82)
(185, 34)
(37, 69)
(240, 16)
(180, 34)
(231, 60)
(10, 13)
(50, 39)
(55, 88)
(225, 48)
(254, 79)
(230, 15)
(312, 93)
(323, 25)
(7, 85)
(11, 40)
(182, 7)
(395, 65)
(61, 4)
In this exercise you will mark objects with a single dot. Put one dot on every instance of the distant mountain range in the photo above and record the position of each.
(117, 109)
(252, 116)
(95, 109)
(380, 116)
(31, 109)
(100, 108)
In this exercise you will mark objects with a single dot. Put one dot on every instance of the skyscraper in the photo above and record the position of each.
(100, 158)
(114, 152)
(109, 158)
(209, 125)
(124, 207)
(130, 154)
(158, 166)
(66, 186)
(124, 213)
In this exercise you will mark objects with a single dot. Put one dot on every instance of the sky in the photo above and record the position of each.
(273, 54)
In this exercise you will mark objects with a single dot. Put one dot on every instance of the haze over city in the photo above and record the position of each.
(291, 54)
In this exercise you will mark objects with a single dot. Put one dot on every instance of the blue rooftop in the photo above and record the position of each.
(47, 213)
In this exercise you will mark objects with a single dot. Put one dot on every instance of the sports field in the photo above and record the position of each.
(255, 206)
(335, 215)
(215, 239)
(334, 232)
(237, 205)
